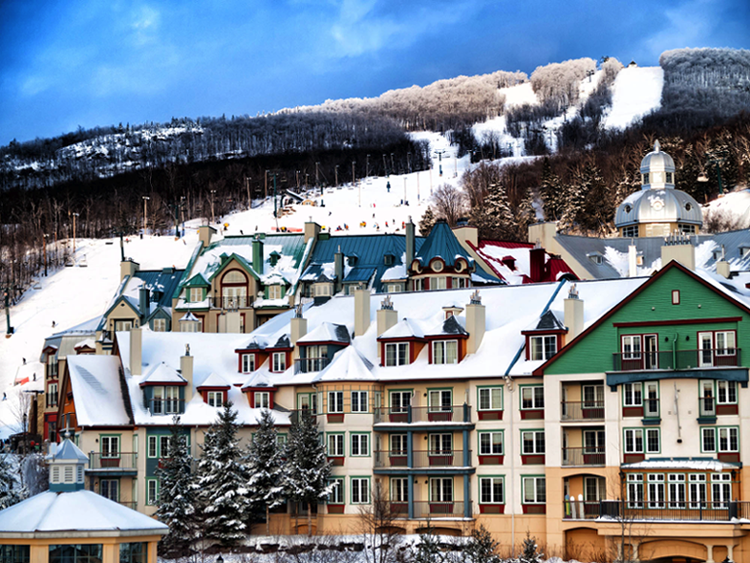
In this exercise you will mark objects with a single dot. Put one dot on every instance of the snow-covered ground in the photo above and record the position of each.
(636, 92)
(734, 206)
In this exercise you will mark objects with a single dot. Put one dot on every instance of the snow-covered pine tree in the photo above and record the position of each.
(427, 221)
(526, 214)
(575, 197)
(428, 549)
(551, 192)
(11, 490)
(307, 466)
(495, 219)
(178, 495)
(265, 468)
(222, 481)
(481, 548)
(530, 551)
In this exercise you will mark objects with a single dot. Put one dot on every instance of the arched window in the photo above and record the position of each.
(234, 290)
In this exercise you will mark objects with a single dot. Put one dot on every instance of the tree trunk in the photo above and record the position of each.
(268, 522)
(309, 519)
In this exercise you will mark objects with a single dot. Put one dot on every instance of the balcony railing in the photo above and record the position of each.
(439, 509)
(680, 360)
(420, 459)
(409, 414)
(310, 365)
(582, 410)
(582, 509)
(116, 462)
(583, 456)
(165, 406)
(667, 510)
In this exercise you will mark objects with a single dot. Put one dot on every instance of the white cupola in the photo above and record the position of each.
(66, 467)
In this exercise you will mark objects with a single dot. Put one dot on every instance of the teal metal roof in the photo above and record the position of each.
(442, 243)
(292, 244)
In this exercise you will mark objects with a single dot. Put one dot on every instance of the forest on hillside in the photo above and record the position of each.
(94, 180)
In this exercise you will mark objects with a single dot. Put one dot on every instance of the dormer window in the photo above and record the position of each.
(542, 347)
(445, 352)
(322, 289)
(389, 259)
(248, 363)
(195, 294)
(215, 398)
(352, 260)
(274, 291)
(396, 354)
(595, 257)
(273, 258)
(437, 266)
(278, 362)
(262, 399)
(165, 400)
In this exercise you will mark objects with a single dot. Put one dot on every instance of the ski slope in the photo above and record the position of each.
(636, 92)
(73, 295)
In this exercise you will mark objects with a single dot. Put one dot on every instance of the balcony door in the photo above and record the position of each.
(705, 349)
(651, 399)
(650, 348)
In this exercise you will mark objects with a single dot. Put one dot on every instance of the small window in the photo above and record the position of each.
(360, 445)
(532, 397)
(160, 325)
(534, 490)
(359, 401)
(335, 401)
(491, 443)
(670, 180)
(491, 399)
(396, 354)
(438, 282)
(630, 231)
(152, 492)
(388, 259)
(491, 490)
(248, 363)
(279, 362)
(532, 442)
(445, 352)
(336, 445)
(675, 297)
(394, 288)
(274, 291)
(360, 490)
(596, 258)
(336, 496)
(196, 294)
(262, 400)
(542, 347)
(215, 398)
(646, 178)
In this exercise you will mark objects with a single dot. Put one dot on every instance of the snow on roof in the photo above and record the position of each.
(95, 381)
(703, 464)
(75, 513)
(327, 332)
(214, 380)
(406, 328)
(189, 316)
(89, 342)
(258, 379)
(67, 450)
(347, 365)
(453, 325)
(162, 373)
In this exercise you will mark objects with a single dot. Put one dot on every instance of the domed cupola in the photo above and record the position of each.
(658, 209)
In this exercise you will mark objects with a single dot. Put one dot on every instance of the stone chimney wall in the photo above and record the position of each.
(679, 248)
(136, 351)
(204, 234)
(386, 318)
(128, 268)
(361, 311)
(573, 312)
(312, 230)
(297, 329)
(186, 370)
(410, 246)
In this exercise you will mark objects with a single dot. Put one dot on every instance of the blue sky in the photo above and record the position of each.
(65, 64)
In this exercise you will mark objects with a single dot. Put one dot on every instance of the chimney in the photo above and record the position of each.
(136, 352)
(573, 311)
(632, 261)
(386, 317)
(258, 256)
(186, 370)
(722, 268)
(679, 248)
(128, 268)
(143, 303)
(338, 268)
(409, 243)
(466, 233)
(537, 257)
(361, 310)
(312, 230)
(204, 234)
(297, 328)
(475, 322)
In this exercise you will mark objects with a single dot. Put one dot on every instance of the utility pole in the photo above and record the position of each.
(74, 235)
(275, 209)
(393, 167)
(265, 189)
(317, 178)
(417, 187)
(336, 174)
(367, 167)
(145, 213)
(44, 250)
(6, 294)
(247, 188)
(354, 177)
(385, 165)
(212, 206)
(297, 174)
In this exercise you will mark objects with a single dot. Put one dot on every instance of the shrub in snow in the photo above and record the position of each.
(11, 491)
(265, 468)
(222, 482)
(481, 548)
(178, 495)
(307, 466)
(530, 551)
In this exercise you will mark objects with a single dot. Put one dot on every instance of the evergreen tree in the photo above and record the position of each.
(526, 214)
(222, 482)
(481, 548)
(495, 219)
(530, 551)
(307, 466)
(552, 192)
(428, 549)
(177, 495)
(265, 467)
(575, 197)
(11, 491)
(427, 222)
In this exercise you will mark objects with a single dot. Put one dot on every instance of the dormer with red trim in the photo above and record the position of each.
(164, 390)
(448, 343)
(545, 339)
(280, 354)
(401, 344)
(251, 357)
(317, 348)
(260, 392)
(214, 390)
